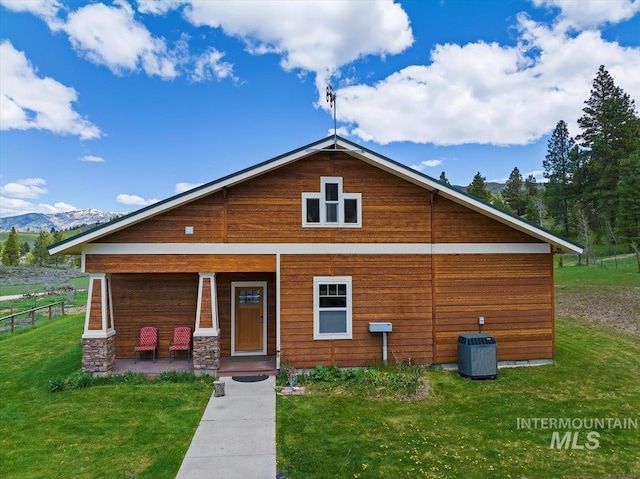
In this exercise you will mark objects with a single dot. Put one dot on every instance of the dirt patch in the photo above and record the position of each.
(615, 307)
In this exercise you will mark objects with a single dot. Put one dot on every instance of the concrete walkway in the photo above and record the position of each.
(236, 437)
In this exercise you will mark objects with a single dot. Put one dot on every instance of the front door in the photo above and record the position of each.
(249, 318)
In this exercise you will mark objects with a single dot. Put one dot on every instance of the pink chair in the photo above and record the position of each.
(181, 341)
(148, 342)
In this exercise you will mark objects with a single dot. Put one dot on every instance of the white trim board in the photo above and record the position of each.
(314, 248)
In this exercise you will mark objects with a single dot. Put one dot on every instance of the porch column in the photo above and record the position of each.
(206, 337)
(99, 338)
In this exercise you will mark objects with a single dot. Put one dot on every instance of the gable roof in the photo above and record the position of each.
(74, 244)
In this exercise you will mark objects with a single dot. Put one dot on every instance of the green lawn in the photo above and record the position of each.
(470, 428)
(87, 433)
(608, 272)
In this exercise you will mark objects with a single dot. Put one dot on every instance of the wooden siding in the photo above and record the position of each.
(223, 284)
(95, 314)
(268, 209)
(160, 300)
(454, 223)
(514, 293)
(206, 314)
(186, 263)
(205, 215)
(394, 288)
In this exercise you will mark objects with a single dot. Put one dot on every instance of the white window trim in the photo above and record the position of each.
(324, 180)
(317, 280)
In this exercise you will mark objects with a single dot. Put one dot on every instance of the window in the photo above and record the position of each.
(332, 307)
(331, 207)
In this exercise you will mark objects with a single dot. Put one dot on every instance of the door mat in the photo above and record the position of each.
(249, 379)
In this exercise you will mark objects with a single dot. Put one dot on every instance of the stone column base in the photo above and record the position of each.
(206, 355)
(98, 355)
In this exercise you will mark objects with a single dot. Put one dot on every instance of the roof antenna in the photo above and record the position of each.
(331, 99)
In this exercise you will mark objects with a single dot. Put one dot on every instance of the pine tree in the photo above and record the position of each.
(628, 223)
(40, 253)
(11, 250)
(513, 193)
(57, 236)
(443, 179)
(560, 165)
(478, 188)
(610, 128)
(534, 211)
(498, 201)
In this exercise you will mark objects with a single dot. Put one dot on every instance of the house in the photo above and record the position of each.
(295, 256)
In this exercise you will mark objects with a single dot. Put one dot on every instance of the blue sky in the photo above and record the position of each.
(115, 105)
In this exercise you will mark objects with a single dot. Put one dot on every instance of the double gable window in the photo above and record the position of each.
(332, 307)
(332, 207)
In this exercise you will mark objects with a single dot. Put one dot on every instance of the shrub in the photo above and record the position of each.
(388, 381)
(56, 384)
(80, 380)
(129, 377)
(325, 373)
(176, 377)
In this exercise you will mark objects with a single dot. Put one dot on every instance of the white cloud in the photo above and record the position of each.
(210, 65)
(28, 101)
(15, 206)
(489, 93)
(29, 188)
(314, 35)
(59, 207)
(41, 8)
(426, 164)
(92, 159)
(158, 7)
(110, 36)
(591, 13)
(535, 173)
(134, 200)
(182, 187)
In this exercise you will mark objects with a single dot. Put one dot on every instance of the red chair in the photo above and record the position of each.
(181, 341)
(148, 342)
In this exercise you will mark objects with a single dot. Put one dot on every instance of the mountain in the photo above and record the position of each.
(35, 222)
(492, 186)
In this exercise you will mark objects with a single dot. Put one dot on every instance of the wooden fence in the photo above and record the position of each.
(30, 314)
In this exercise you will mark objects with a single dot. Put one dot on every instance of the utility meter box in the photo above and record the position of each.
(380, 327)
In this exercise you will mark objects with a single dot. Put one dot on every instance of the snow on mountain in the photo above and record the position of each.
(35, 222)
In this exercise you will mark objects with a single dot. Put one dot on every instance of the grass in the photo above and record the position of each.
(469, 428)
(608, 272)
(10, 290)
(94, 432)
(23, 322)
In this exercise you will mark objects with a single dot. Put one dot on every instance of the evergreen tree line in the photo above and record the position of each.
(13, 250)
(592, 193)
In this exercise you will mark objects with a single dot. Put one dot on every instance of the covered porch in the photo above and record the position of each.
(232, 316)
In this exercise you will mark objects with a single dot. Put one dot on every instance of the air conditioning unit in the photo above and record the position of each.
(477, 356)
